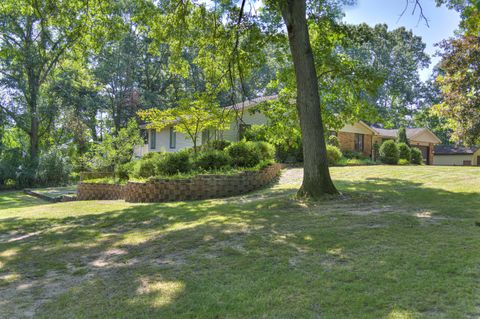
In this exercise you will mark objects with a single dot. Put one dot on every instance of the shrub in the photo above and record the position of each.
(266, 150)
(354, 155)
(124, 171)
(212, 160)
(404, 151)
(145, 167)
(376, 151)
(244, 154)
(173, 163)
(219, 145)
(333, 154)
(333, 140)
(416, 156)
(403, 161)
(389, 152)
(402, 135)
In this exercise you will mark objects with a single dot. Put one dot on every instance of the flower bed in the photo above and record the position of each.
(201, 186)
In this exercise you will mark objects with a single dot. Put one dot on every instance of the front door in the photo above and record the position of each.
(478, 160)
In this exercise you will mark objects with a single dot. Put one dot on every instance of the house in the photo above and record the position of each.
(452, 155)
(358, 137)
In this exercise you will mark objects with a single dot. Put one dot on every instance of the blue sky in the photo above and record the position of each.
(443, 22)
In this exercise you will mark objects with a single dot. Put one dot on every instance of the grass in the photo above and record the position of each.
(402, 242)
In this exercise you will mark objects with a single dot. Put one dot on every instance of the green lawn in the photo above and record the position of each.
(402, 242)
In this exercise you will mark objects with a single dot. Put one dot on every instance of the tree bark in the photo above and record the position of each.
(316, 176)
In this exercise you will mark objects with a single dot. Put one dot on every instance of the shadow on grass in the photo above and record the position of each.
(17, 199)
(273, 256)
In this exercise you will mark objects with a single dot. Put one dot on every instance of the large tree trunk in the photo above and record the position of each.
(316, 176)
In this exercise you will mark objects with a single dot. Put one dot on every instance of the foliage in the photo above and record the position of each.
(333, 155)
(218, 145)
(211, 160)
(115, 150)
(191, 117)
(389, 153)
(266, 150)
(459, 82)
(244, 154)
(333, 140)
(416, 156)
(355, 162)
(403, 161)
(53, 168)
(354, 155)
(376, 151)
(146, 167)
(402, 135)
(404, 151)
(174, 163)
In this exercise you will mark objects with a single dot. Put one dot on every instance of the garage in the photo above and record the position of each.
(453, 155)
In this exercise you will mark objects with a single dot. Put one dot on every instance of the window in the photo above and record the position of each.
(358, 140)
(173, 138)
(153, 139)
(243, 130)
(467, 163)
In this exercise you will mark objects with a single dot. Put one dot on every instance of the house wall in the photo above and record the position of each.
(347, 142)
(346, 138)
(233, 134)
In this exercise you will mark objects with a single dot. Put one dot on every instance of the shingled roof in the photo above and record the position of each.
(394, 132)
(455, 150)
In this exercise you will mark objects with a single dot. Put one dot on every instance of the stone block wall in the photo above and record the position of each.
(90, 191)
(167, 190)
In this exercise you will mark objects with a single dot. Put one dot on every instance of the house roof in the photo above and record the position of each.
(249, 103)
(412, 133)
(455, 150)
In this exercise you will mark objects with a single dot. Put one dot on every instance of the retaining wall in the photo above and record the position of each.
(198, 187)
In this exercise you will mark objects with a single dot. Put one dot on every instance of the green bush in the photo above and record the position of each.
(389, 152)
(266, 150)
(219, 145)
(145, 167)
(416, 156)
(173, 163)
(333, 154)
(244, 154)
(333, 140)
(354, 155)
(211, 160)
(124, 171)
(403, 161)
(376, 151)
(404, 151)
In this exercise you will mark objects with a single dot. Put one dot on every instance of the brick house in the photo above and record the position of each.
(358, 136)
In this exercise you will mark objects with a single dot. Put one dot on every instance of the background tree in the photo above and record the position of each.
(35, 37)
(459, 83)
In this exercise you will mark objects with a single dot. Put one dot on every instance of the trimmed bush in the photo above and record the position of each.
(389, 152)
(404, 151)
(173, 163)
(266, 150)
(244, 154)
(403, 161)
(211, 160)
(376, 151)
(416, 156)
(333, 154)
(124, 171)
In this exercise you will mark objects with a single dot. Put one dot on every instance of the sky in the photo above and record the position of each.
(442, 22)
